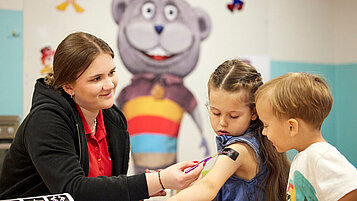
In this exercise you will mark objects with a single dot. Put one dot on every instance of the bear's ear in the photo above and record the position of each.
(118, 9)
(204, 23)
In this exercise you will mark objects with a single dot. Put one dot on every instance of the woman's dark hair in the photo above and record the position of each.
(233, 76)
(73, 56)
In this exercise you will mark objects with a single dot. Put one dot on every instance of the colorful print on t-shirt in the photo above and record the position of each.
(300, 189)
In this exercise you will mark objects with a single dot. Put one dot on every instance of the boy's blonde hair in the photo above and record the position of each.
(298, 95)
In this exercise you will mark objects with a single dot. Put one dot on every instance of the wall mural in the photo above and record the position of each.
(159, 43)
(63, 6)
(47, 59)
(236, 4)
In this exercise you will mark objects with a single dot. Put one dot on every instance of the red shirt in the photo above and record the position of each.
(100, 163)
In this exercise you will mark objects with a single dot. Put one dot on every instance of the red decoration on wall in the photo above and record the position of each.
(46, 59)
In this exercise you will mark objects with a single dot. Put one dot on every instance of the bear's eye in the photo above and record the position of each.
(171, 12)
(148, 10)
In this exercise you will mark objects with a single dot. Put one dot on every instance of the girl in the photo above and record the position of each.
(259, 172)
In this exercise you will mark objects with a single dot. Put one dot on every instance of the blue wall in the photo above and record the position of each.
(340, 127)
(346, 110)
(11, 62)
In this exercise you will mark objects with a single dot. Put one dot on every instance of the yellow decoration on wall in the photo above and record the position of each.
(63, 6)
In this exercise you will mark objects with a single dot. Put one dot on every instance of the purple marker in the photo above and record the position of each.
(204, 160)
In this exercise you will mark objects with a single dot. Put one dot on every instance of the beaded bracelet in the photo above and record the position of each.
(162, 186)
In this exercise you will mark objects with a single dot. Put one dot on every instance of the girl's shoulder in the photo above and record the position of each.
(247, 143)
(246, 159)
(244, 150)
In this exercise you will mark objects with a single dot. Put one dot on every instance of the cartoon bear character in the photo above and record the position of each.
(159, 43)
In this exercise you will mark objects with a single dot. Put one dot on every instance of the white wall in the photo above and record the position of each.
(301, 30)
(11, 4)
(321, 31)
(345, 31)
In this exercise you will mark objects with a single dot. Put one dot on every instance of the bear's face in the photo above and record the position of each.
(159, 36)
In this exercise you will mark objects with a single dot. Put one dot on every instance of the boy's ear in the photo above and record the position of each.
(294, 127)
(68, 89)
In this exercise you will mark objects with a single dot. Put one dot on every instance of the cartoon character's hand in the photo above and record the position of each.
(158, 92)
(205, 146)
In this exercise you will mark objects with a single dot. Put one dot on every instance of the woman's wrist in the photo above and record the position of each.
(160, 180)
(153, 182)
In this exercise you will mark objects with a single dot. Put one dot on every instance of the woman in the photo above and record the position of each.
(74, 140)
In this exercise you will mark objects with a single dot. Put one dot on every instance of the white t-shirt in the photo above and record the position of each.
(320, 172)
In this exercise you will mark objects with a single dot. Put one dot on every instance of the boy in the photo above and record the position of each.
(292, 108)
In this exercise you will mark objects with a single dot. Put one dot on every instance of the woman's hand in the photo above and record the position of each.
(160, 193)
(174, 177)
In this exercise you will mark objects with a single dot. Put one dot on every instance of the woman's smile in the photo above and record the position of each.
(107, 95)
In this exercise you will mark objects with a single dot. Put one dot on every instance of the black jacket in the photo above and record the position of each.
(49, 154)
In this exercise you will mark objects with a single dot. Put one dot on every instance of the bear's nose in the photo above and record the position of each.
(159, 28)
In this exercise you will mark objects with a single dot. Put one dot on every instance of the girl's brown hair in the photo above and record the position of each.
(232, 76)
(73, 56)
